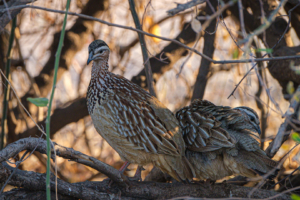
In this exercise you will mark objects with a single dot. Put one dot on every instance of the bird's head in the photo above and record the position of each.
(98, 50)
(250, 118)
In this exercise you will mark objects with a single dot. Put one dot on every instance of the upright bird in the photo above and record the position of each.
(139, 127)
(222, 141)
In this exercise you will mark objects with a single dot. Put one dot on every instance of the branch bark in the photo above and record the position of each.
(137, 190)
(40, 145)
(208, 49)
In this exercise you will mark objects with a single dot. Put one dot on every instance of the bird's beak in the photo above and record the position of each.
(257, 127)
(90, 58)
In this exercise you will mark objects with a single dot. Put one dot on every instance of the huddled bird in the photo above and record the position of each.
(137, 125)
(223, 141)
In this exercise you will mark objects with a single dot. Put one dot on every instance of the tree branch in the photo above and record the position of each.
(208, 49)
(137, 190)
(182, 7)
(147, 65)
(284, 129)
(40, 145)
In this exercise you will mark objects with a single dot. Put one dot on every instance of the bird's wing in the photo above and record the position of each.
(202, 132)
(145, 122)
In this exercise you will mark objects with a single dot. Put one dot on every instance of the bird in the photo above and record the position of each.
(223, 141)
(133, 122)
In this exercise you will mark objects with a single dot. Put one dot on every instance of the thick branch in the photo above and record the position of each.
(40, 145)
(37, 182)
(208, 49)
(16, 194)
(137, 190)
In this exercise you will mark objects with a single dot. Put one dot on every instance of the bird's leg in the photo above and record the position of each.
(138, 173)
(121, 170)
(124, 167)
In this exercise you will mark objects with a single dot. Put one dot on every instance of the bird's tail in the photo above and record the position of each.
(258, 162)
(177, 167)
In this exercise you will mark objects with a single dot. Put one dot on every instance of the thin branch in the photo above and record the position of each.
(148, 70)
(216, 14)
(182, 7)
(156, 36)
(264, 26)
(56, 65)
(7, 86)
(284, 131)
(240, 5)
(17, 166)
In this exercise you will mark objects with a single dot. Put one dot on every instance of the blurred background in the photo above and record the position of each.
(36, 38)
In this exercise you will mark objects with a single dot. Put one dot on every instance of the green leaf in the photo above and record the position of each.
(264, 50)
(39, 102)
(235, 54)
(290, 87)
(296, 137)
(295, 197)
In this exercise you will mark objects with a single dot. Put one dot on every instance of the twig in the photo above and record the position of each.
(159, 37)
(6, 6)
(124, 49)
(283, 130)
(56, 65)
(19, 101)
(264, 26)
(237, 85)
(17, 166)
(7, 86)
(148, 70)
(240, 5)
(216, 14)
(184, 6)
(287, 27)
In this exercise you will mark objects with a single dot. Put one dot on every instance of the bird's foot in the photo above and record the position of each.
(209, 183)
(138, 174)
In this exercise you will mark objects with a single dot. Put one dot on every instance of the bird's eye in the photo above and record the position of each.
(101, 51)
(252, 118)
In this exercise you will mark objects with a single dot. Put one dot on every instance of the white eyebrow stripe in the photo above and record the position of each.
(101, 48)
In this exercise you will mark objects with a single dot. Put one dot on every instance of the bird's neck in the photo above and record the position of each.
(100, 72)
(100, 84)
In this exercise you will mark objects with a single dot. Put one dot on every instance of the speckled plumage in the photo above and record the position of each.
(140, 128)
(223, 141)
